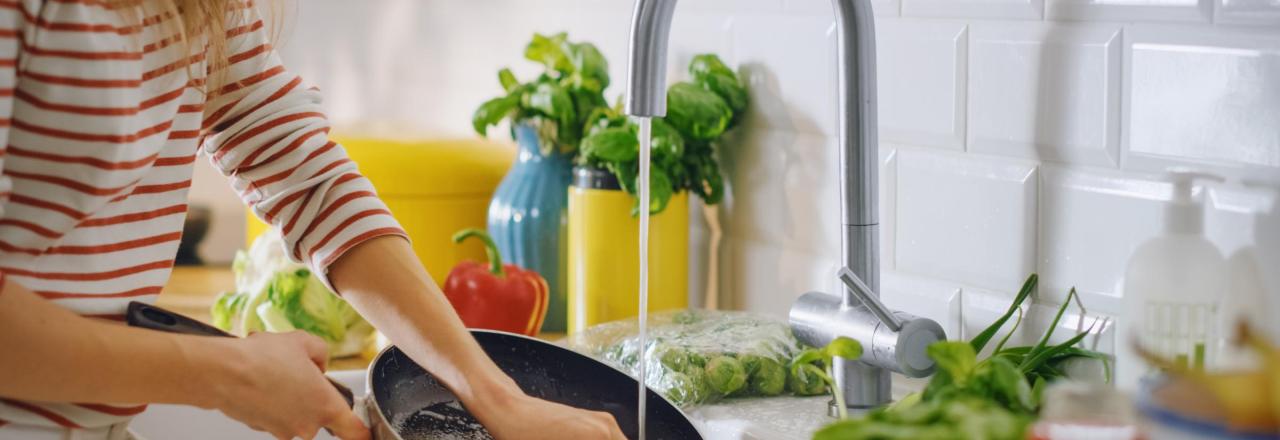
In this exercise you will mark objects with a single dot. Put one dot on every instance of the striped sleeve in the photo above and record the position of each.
(267, 131)
(12, 20)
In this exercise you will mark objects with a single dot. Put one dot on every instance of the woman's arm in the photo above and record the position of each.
(53, 355)
(383, 279)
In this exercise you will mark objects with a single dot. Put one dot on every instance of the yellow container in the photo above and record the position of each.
(434, 189)
(604, 251)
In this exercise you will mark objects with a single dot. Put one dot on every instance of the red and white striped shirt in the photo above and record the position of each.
(101, 122)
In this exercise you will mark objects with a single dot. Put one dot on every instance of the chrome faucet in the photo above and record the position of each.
(892, 341)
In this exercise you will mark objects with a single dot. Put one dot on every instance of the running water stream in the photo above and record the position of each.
(643, 185)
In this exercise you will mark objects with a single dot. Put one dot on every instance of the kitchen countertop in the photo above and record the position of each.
(191, 290)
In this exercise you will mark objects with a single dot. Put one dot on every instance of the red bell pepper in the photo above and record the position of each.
(496, 296)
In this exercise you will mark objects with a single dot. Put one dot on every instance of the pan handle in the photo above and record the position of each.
(143, 315)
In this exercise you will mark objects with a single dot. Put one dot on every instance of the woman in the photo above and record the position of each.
(105, 105)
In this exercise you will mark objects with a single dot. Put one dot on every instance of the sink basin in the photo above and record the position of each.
(780, 418)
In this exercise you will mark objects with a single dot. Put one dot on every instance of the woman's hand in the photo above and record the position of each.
(383, 279)
(515, 415)
(275, 383)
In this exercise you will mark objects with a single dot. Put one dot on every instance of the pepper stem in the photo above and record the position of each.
(490, 248)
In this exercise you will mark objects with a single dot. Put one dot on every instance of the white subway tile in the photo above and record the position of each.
(1045, 91)
(1235, 216)
(789, 64)
(921, 73)
(756, 169)
(1204, 98)
(888, 207)
(1091, 222)
(1130, 10)
(729, 6)
(1257, 12)
(883, 8)
(768, 277)
(965, 218)
(923, 297)
(1015, 9)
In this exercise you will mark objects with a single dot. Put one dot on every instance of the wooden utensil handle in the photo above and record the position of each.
(143, 315)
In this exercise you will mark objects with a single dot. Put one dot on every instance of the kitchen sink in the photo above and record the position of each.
(780, 418)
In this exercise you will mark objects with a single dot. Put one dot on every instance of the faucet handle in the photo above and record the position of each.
(868, 298)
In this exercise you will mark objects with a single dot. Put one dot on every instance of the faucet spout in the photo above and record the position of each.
(857, 121)
(818, 319)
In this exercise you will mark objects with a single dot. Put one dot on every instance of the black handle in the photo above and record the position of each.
(143, 315)
(147, 316)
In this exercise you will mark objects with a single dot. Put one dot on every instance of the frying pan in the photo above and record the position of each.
(407, 403)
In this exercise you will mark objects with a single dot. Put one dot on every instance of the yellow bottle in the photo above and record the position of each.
(604, 251)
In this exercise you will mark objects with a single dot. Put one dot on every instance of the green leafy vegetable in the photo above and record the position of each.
(559, 101)
(277, 295)
(696, 112)
(995, 398)
(684, 143)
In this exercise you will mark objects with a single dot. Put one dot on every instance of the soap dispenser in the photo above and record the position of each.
(1173, 287)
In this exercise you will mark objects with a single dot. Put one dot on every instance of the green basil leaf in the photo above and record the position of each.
(808, 356)
(611, 145)
(588, 62)
(709, 64)
(492, 112)
(729, 89)
(1007, 384)
(554, 102)
(508, 80)
(844, 347)
(549, 51)
(666, 142)
(660, 190)
(696, 112)
(955, 359)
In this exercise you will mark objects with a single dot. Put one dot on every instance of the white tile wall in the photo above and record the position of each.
(1226, 102)
(1046, 91)
(1131, 10)
(922, 106)
(1019, 136)
(1013, 9)
(1255, 12)
(966, 219)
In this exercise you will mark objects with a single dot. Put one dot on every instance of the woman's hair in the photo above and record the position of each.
(199, 23)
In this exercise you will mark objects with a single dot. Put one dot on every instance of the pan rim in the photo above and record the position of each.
(375, 410)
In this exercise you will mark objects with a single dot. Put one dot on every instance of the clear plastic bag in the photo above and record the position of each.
(697, 356)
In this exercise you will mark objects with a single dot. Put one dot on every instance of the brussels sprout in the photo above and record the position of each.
(697, 360)
(750, 363)
(725, 374)
(769, 378)
(675, 359)
(806, 381)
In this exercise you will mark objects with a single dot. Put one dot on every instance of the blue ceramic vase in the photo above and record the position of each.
(527, 217)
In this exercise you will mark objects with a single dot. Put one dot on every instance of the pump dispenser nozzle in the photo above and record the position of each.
(1185, 214)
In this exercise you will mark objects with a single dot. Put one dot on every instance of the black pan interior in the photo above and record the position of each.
(419, 407)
